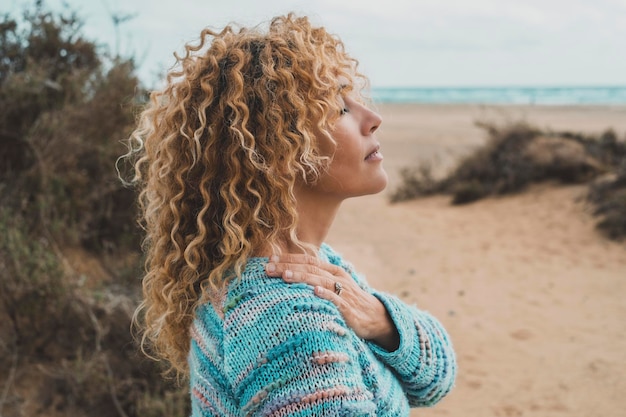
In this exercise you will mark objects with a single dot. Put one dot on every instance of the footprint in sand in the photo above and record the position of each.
(522, 334)
(474, 384)
(508, 410)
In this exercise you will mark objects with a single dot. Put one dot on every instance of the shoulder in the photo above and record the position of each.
(269, 318)
(256, 295)
(327, 253)
(287, 349)
(263, 305)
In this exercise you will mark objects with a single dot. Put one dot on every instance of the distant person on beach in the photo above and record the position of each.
(243, 160)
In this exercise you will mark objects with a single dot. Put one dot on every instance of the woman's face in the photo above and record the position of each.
(356, 167)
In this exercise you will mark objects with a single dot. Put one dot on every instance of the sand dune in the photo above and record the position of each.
(532, 295)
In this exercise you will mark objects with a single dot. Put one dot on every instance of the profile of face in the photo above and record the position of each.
(356, 166)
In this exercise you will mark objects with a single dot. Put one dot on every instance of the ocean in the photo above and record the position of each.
(502, 95)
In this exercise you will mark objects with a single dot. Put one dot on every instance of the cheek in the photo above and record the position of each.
(342, 159)
(325, 144)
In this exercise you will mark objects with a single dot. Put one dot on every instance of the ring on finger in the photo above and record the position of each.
(338, 288)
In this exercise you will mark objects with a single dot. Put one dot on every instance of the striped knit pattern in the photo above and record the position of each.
(281, 351)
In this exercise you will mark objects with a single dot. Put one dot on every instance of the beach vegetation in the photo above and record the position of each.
(608, 197)
(69, 252)
(516, 155)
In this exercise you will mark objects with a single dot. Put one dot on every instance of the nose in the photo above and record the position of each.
(373, 121)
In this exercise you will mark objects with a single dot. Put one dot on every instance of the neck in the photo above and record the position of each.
(316, 215)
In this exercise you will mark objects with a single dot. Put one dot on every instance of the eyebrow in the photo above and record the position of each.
(343, 88)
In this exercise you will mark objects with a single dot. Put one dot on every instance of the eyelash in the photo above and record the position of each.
(344, 111)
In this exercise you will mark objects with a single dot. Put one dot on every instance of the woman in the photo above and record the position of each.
(244, 160)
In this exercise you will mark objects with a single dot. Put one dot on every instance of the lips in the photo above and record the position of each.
(374, 154)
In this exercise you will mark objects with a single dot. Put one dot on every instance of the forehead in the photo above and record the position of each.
(345, 86)
(349, 90)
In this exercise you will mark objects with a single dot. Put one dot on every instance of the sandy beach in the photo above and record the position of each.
(531, 294)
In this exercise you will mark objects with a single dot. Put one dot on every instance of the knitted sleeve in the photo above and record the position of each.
(425, 361)
(288, 352)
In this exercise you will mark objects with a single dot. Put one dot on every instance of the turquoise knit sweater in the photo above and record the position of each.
(276, 349)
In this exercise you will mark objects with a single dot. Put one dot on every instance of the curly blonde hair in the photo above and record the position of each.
(217, 155)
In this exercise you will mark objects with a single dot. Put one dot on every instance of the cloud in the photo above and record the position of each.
(404, 41)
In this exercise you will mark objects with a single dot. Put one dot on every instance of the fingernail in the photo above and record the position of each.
(274, 258)
(271, 268)
(288, 274)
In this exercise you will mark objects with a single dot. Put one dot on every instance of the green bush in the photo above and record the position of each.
(63, 115)
(65, 341)
(32, 288)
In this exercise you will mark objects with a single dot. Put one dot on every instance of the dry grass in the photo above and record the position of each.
(608, 197)
(517, 155)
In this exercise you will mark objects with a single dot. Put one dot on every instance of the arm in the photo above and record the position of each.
(288, 352)
(424, 361)
(421, 354)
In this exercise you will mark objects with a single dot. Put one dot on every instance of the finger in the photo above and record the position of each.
(296, 258)
(309, 263)
(306, 274)
(331, 296)
(306, 278)
(313, 276)
(278, 269)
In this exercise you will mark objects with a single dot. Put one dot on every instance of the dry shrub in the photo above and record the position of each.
(513, 157)
(91, 366)
(67, 349)
(32, 287)
(77, 145)
(609, 199)
(62, 119)
(417, 181)
(517, 155)
(66, 346)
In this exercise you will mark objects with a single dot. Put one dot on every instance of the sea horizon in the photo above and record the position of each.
(528, 95)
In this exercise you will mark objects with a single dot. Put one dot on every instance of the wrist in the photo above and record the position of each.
(386, 334)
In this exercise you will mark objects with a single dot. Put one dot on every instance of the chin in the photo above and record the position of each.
(381, 188)
(384, 180)
(378, 185)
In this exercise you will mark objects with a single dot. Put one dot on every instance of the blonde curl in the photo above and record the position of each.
(217, 154)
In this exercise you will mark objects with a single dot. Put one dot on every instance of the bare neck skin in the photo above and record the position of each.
(316, 212)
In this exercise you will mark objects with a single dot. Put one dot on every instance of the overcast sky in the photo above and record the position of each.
(398, 42)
